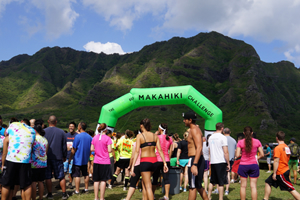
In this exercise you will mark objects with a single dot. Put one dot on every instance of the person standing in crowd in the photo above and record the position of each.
(17, 148)
(2, 130)
(147, 142)
(39, 161)
(57, 154)
(81, 152)
(196, 160)
(173, 150)
(70, 136)
(248, 165)
(293, 162)
(269, 156)
(165, 142)
(206, 161)
(92, 154)
(281, 172)
(219, 160)
(183, 159)
(112, 158)
(101, 145)
(125, 147)
(231, 150)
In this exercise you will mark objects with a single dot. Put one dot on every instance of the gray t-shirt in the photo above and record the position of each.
(231, 147)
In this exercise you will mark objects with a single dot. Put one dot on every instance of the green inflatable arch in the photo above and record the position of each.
(138, 97)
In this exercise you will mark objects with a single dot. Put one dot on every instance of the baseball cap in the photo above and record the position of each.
(293, 139)
(189, 115)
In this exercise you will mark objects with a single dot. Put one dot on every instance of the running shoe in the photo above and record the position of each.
(269, 172)
(124, 188)
(226, 192)
(49, 196)
(75, 193)
(70, 186)
(216, 191)
(184, 190)
(65, 196)
(164, 198)
(180, 188)
(109, 186)
(232, 181)
(85, 191)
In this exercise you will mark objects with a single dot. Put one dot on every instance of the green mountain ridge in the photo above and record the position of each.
(74, 85)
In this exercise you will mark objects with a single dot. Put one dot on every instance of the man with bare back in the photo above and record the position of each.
(196, 160)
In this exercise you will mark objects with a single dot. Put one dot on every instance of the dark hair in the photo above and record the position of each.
(39, 122)
(91, 132)
(45, 126)
(4, 126)
(73, 123)
(13, 119)
(108, 132)
(118, 136)
(219, 126)
(248, 138)
(146, 123)
(26, 121)
(207, 139)
(101, 127)
(165, 126)
(136, 132)
(83, 125)
(280, 135)
(65, 131)
(175, 136)
(39, 129)
(129, 133)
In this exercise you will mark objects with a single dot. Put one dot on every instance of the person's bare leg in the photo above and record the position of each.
(202, 193)
(221, 192)
(62, 183)
(186, 177)
(5, 193)
(181, 178)
(33, 195)
(167, 190)
(192, 194)
(86, 182)
(96, 189)
(130, 192)
(243, 188)
(77, 184)
(253, 184)
(70, 179)
(144, 191)
(49, 185)
(147, 182)
(227, 185)
(270, 168)
(102, 189)
(26, 193)
(295, 177)
(295, 194)
(268, 190)
(210, 188)
(205, 179)
(41, 190)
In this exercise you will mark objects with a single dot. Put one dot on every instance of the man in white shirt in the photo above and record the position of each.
(219, 159)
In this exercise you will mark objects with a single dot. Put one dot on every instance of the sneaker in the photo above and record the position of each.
(65, 196)
(91, 175)
(226, 192)
(216, 191)
(75, 193)
(180, 188)
(49, 196)
(109, 186)
(141, 190)
(232, 181)
(70, 186)
(184, 190)
(164, 198)
(206, 191)
(124, 188)
(85, 191)
(268, 171)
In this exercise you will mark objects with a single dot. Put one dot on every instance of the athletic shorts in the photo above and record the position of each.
(16, 174)
(56, 166)
(148, 164)
(76, 169)
(249, 170)
(196, 181)
(269, 161)
(173, 162)
(283, 181)
(156, 174)
(219, 174)
(183, 162)
(123, 163)
(68, 167)
(101, 172)
(135, 179)
(38, 174)
(235, 166)
(293, 165)
(206, 165)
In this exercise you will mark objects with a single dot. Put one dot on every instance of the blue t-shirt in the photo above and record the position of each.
(269, 150)
(82, 144)
(2, 130)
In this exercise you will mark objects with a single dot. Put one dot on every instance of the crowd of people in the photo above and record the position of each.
(32, 154)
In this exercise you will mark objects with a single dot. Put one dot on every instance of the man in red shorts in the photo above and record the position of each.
(280, 177)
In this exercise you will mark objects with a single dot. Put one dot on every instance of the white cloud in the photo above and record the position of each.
(59, 16)
(107, 48)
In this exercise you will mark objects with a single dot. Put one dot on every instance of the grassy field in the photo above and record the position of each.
(118, 193)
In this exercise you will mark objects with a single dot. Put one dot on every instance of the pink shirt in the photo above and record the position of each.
(249, 158)
(101, 149)
(138, 160)
(165, 146)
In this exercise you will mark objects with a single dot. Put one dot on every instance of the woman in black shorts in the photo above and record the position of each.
(147, 141)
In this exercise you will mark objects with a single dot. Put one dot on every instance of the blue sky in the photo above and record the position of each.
(122, 26)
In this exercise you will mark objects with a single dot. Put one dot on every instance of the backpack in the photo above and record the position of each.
(294, 150)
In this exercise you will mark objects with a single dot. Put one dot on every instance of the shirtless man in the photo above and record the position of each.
(196, 160)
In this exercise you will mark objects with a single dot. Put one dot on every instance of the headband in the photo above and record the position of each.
(102, 133)
(164, 130)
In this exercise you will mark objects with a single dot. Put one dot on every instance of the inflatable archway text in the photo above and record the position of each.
(138, 97)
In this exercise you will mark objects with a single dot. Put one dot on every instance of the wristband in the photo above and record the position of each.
(196, 164)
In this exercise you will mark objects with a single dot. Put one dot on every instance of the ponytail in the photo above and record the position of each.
(207, 139)
(248, 138)
(164, 128)
(102, 127)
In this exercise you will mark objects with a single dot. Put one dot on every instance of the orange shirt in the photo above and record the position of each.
(282, 151)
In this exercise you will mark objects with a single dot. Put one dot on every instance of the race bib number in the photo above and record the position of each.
(69, 145)
(287, 151)
(189, 163)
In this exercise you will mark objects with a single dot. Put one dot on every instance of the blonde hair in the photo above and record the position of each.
(185, 135)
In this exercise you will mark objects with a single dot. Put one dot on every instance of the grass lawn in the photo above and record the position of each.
(118, 193)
